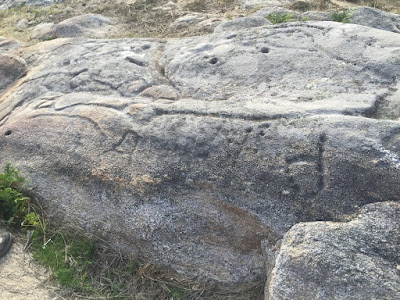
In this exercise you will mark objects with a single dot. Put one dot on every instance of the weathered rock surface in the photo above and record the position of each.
(263, 3)
(356, 260)
(365, 16)
(376, 18)
(7, 45)
(6, 4)
(240, 23)
(188, 20)
(11, 69)
(89, 25)
(191, 152)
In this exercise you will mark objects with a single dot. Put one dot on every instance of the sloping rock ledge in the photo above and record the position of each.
(192, 153)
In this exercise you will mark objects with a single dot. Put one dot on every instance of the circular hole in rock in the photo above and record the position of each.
(8, 132)
(249, 129)
(162, 71)
(262, 133)
(213, 60)
(264, 50)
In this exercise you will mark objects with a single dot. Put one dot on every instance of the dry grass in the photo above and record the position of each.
(114, 276)
(140, 19)
(137, 18)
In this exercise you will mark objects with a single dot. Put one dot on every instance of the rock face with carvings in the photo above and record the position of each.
(199, 154)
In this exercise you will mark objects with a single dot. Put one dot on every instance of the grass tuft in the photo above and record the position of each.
(275, 18)
(343, 16)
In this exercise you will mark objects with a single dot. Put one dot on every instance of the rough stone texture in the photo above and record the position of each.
(196, 21)
(89, 25)
(317, 15)
(263, 3)
(188, 20)
(11, 69)
(6, 4)
(356, 260)
(7, 45)
(240, 23)
(365, 16)
(191, 152)
(376, 18)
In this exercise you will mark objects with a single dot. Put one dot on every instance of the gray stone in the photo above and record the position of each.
(89, 25)
(209, 24)
(7, 45)
(317, 15)
(12, 68)
(44, 31)
(240, 23)
(188, 20)
(266, 127)
(6, 4)
(354, 260)
(23, 23)
(376, 18)
(365, 16)
(263, 3)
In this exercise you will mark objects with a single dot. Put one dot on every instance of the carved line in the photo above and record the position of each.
(72, 117)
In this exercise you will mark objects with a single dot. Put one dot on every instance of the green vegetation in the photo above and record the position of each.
(343, 16)
(69, 259)
(280, 18)
(178, 294)
(14, 206)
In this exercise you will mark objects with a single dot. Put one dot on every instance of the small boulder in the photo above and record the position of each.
(376, 18)
(356, 260)
(89, 25)
(187, 21)
(23, 23)
(7, 44)
(263, 3)
(239, 23)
